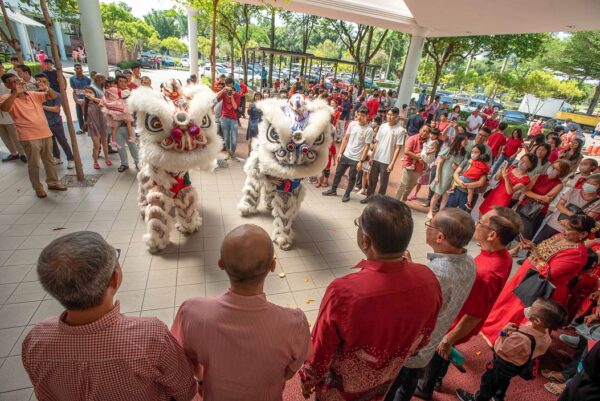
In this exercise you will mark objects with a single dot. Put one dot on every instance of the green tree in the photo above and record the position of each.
(304, 25)
(173, 45)
(113, 17)
(326, 49)
(363, 43)
(578, 56)
(168, 23)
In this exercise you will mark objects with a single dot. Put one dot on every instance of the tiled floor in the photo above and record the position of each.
(154, 285)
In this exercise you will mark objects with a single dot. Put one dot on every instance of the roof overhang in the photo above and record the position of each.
(432, 18)
(21, 19)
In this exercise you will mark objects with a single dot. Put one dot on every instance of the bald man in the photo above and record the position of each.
(241, 345)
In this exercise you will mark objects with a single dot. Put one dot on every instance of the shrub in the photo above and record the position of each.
(36, 68)
(126, 65)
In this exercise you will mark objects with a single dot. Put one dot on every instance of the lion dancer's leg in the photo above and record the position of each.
(145, 183)
(286, 206)
(159, 217)
(269, 191)
(186, 205)
(252, 187)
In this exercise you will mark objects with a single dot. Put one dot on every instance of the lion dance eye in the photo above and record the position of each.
(153, 123)
(319, 140)
(205, 122)
(272, 135)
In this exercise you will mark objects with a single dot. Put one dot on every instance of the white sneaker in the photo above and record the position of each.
(70, 164)
(57, 161)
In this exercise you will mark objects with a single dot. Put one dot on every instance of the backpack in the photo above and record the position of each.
(528, 371)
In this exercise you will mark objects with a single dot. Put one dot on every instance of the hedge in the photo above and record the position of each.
(36, 68)
(126, 65)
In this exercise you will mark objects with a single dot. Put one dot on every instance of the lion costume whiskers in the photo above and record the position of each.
(177, 134)
(293, 143)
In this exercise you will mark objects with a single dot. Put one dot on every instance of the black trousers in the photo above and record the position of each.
(545, 233)
(58, 137)
(80, 119)
(378, 173)
(404, 386)
(530, 226)
(432, 373)
(496, 379)
(571, 369)
(342, 166)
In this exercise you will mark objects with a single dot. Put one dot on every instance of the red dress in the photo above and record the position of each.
(499, 196)
(564, 263)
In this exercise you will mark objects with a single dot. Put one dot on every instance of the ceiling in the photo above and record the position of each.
(455, 18)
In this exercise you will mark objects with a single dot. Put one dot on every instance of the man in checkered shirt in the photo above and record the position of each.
(91, 351)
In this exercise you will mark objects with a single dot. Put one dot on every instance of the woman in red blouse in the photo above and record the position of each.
(511, 180)
(542, 189)
(563, 255)
(509, 151)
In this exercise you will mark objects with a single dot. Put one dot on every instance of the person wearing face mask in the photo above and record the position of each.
(541, 191)
(584, 201)
(587, 167)
(558, 259)
(510, 180)
(517, 345)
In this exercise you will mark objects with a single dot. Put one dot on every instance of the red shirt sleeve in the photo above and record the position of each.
(479, 302)
(326, 339)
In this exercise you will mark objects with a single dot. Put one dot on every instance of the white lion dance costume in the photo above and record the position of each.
(293, 143)
(177, 134)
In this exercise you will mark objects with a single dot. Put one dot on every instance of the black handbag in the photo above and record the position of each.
(531, 209)
(576, 209)
(534, 286)
(527, 371)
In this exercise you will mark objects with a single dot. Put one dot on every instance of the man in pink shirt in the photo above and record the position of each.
(242, 346)
(412, 165)
(91, 351)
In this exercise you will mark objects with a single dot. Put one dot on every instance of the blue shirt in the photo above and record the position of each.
(346, 106)
(52, 117)
(264, 74)
(414, 124)
(78, 84)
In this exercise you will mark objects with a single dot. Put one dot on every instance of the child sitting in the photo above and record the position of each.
(515, 348)
(115, 107)
(476, 168)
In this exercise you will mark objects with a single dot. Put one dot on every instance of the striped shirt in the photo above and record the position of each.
(114, 358)
(244, 345)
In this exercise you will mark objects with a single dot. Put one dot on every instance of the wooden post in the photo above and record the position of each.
(63, 90)
(12, 41)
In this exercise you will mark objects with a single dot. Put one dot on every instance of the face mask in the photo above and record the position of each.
(527, 313)
(474, 156)
(589, 188)
(552, 172)
(522, 166)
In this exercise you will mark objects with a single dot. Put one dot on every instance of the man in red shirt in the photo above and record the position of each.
(229, 115)
(487, 112)
(494, 232)
(373, 105)
(243, 91)
(357, 352)
(497, 141)
(412, 165)
(492, 122)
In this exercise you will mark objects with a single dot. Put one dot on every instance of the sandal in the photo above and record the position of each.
(318, 185)
(411, 198)
(553, 376)
(555, 388)
(108, 162)
(97, 166)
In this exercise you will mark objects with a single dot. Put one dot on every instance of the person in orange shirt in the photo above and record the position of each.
(25, 108)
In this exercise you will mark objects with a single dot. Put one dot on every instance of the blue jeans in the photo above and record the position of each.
(458, 199)
(122, 142)
(229, 128)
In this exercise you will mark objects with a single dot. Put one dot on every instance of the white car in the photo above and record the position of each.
(184, 62)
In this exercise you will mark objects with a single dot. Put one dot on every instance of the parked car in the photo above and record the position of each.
(185, 62)
(446, 99)
(514, 117)
(146, 61)
(461, 98)
(475, 104)
(167, 61)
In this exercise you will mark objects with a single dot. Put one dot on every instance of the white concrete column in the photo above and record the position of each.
(93, 35)
(193, 40)
(24, 39)
(411, 66)
(59, 40)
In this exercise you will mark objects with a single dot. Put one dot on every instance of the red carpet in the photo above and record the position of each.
(477, 354)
